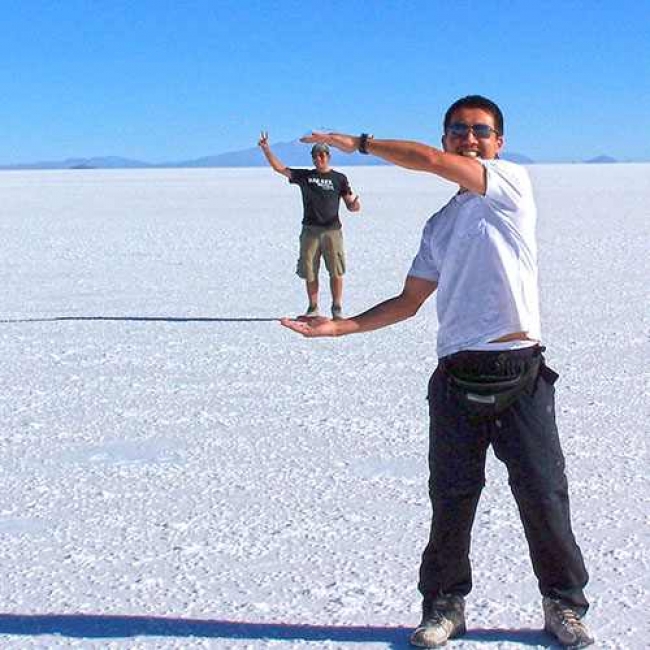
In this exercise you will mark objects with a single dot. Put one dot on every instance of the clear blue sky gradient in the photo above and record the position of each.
(165, 80)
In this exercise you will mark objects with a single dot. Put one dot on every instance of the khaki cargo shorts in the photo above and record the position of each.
(315, 242)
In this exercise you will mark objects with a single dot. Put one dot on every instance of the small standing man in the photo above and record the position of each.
(321, 235)
(492, 385)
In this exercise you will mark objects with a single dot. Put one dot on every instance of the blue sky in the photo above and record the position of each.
(163, 80)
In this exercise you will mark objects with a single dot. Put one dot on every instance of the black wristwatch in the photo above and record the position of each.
(363, 143)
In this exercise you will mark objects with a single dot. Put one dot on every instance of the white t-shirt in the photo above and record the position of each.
(481, 250)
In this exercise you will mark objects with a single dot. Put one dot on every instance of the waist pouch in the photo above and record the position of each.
(489, 395)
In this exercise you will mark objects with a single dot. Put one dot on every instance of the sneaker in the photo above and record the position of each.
(442, 619)
(563, 622)
(312, 311)
(337, 312)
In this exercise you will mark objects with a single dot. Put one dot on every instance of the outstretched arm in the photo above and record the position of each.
(394, 310)
(467, 172)
(274, 161)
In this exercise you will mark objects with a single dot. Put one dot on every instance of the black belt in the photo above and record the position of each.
(495, 365)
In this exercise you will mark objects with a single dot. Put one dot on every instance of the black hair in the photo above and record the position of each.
(476, 101)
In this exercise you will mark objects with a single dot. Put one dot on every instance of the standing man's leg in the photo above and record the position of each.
(528, 443)
(334, 254)
(309, 265)
(336, 287)
(457, 451)
(312, 294)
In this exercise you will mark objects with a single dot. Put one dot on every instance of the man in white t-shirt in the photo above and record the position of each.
(492, 385)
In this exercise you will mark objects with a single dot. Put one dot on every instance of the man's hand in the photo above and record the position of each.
(352, 202)
(312, 327)
(346, 143)
(274, 161)
(263, 142)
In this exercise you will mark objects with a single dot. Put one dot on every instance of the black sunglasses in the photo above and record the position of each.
(461, 130)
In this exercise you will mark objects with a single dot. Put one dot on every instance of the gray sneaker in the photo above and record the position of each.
(563, 622)
(442, 619)
(312, 311)
(337, 312)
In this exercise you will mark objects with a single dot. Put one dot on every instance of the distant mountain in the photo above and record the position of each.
(601, 159)
(98, 162)
(109, 162)
(297, 154)
(293, 154)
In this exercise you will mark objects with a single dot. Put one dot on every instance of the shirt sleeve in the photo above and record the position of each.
(297, 175)
(345, 186)
(508, 184)
(424, 265)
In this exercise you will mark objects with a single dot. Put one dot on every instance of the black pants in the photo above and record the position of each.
(525, 438)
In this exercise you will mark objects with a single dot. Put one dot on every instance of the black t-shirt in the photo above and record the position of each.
(320, 195)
